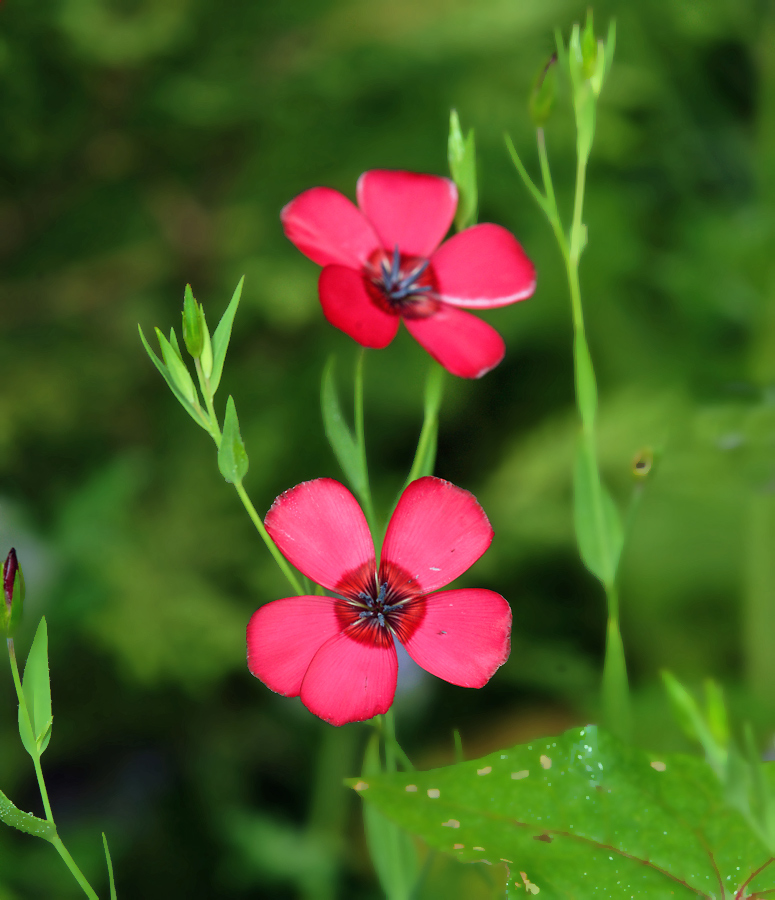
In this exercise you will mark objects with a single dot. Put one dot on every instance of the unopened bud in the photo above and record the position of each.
(13, 594)
(192, 324)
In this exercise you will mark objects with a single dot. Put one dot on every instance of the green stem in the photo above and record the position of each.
(204, 383)
(360, 437)
(270, 544)
(425, 457)
(75, 871)
(56, 841)
(615, 686)
(389, 725)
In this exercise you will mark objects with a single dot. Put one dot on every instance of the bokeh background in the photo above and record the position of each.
(148, 144)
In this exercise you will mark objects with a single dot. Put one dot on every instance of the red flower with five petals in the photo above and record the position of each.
(382, 263)
(338, 653)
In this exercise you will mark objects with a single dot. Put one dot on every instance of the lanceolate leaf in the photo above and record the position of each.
(339, 435)
(585, 816)
(36, 686)
(232, 457)
(25, 822)
(222, 336)
(189, 407)
(598, 524)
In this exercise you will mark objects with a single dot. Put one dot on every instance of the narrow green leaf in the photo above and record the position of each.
(585, 815)
(113, 895)
(177, 369)
(36, 686)
(392, 850)
(29, 824)
(232, 457)
(189, 407)
(222, 336)
(596, 518)
(174, 344)
(687, 713)
(206, 359)
(339, 435)
(586, 386)
(461, 155)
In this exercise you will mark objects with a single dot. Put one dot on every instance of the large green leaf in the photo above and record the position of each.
(391, 848)
(583, 815)
(25, 822)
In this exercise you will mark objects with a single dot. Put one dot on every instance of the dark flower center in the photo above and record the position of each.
(401, 285)
(375, 608)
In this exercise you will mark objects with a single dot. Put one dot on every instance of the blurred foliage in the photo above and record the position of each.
(146, 145)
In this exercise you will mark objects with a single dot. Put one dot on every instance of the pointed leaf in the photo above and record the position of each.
(392, 850)
(461, 155)
(339, 435)
(29, 824)
(584, 815)
(36, 687)
(223, 335)
(189, 407)
(109, 861)
(232, 458)
(176, 368)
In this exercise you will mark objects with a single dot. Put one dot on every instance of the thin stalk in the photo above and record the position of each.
(423, 463)
(56, 841)
(389, 725)
(74, 870)
(270, 544)
(360, 437)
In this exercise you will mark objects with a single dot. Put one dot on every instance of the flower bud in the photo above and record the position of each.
(192, 324)
(13, 594)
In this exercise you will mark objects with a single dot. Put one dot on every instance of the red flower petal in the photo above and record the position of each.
(350, 680)
(462, 343)
(329, 228)
(283, 636)
(347, 306)
(411, 210)
(321, 530)
(483, 266)
(436, 532)
(464, 636)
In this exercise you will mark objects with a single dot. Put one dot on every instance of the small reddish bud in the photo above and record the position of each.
(13, 593)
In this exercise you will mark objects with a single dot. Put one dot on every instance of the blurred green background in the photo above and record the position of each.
(146, 144)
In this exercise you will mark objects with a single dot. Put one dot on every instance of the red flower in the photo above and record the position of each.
(382, 263)
(338, 653)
